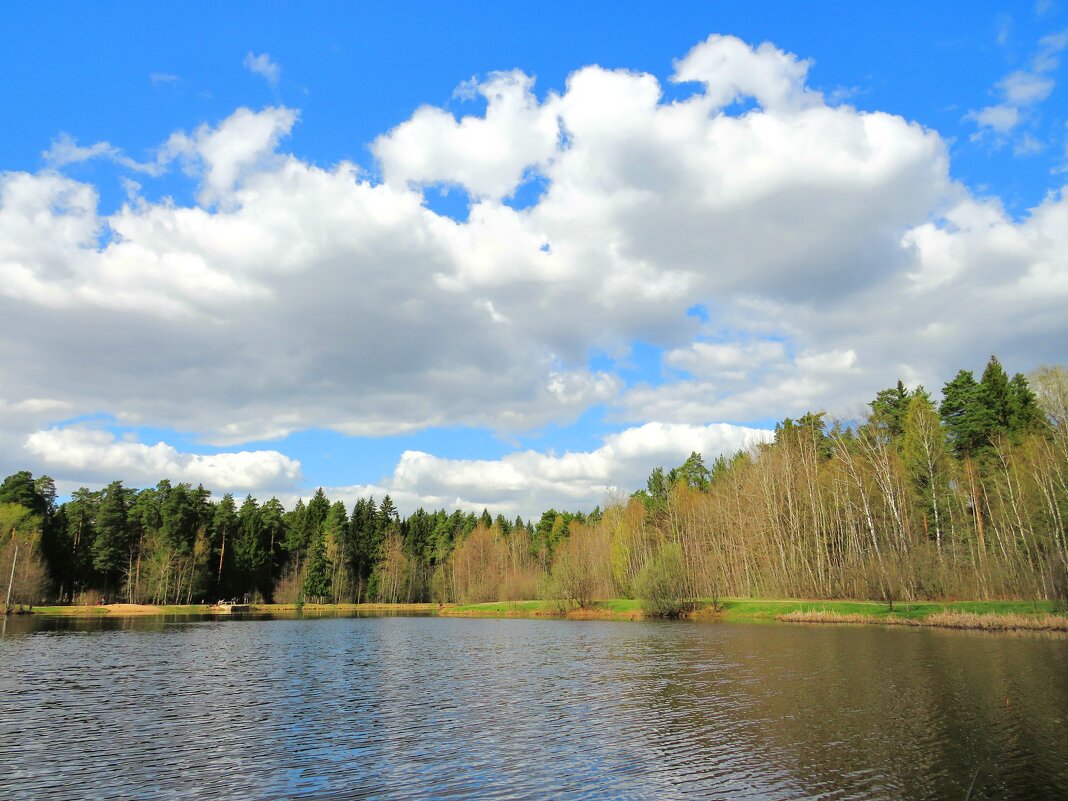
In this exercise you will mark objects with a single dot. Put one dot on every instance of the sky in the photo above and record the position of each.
(495, 255)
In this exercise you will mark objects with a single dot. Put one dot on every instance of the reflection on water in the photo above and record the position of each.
(454, 708)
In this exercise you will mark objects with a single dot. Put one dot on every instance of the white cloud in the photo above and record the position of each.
(1023, 88)
(830, 245)
(97, 456)
(1001, 118)
(246, 142)
(733, 361)
(528, 482)
(730, 70)
(65, 150)
(485, 155)
(1020, 91)
(264, 66)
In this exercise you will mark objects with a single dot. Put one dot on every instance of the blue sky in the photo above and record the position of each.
(464, 256)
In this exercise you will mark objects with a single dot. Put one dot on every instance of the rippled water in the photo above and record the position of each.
(455, 708)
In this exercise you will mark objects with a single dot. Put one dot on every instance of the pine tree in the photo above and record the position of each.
(996, 397)
(224, 524)
(20, 488)
(966, 414)
(250, 551)
(694, 472)
(888, 412)
(112, 542)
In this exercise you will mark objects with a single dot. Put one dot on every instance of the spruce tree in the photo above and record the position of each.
(995, 396)
(112, 543)
(966, 414)
(1025, 415)
(317, 575)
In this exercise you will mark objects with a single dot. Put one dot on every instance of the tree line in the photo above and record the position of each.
(964, 499)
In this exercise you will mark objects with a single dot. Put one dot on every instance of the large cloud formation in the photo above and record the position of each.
(528, 482)
(829, 246)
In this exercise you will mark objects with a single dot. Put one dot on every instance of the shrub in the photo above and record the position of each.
(661, 584)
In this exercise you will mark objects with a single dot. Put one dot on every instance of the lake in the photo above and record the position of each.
(418, 708)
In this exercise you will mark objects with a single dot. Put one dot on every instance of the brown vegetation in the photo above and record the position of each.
(945, 620)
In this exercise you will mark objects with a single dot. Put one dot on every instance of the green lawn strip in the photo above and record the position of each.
(502, 608)
(730, 609)
(760, 609)
(70, 611)
(622, 607)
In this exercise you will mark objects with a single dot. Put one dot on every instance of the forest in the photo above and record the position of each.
(964, 499)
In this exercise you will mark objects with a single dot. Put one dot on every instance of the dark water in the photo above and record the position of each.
(456, 708)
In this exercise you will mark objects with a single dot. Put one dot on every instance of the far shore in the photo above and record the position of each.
(980, 615)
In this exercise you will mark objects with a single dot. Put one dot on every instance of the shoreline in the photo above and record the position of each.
(974, 615)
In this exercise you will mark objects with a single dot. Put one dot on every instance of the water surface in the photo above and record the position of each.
(459, 708)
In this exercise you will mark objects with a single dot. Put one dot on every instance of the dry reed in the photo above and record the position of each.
(946, 620)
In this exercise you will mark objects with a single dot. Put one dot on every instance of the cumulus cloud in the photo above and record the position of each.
(96, 456)
(528, 482)
(244, 143)
(830, 245)
(485, 155)
(264, 66)
(731, 70)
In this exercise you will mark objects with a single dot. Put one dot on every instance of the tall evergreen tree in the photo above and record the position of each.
(387, 513)
(111, 546)
(694, 473)
(272, 527)
(1025, 415)
(224, 525)
(20, 488)
(318, 509)
(888, 412)
(250, 549)
(317, 571)
(995, 395)
(296, 530)
(966, 414)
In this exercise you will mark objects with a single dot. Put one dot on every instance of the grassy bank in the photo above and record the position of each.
(946, 620)
(792, 610)
(125, 610)
(121, 610)
(985, 615)
(612, 609)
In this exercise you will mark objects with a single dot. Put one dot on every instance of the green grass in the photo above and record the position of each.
(613, 607)
(504, 608)
(622, 605)
(728, 609)
(759, 609)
